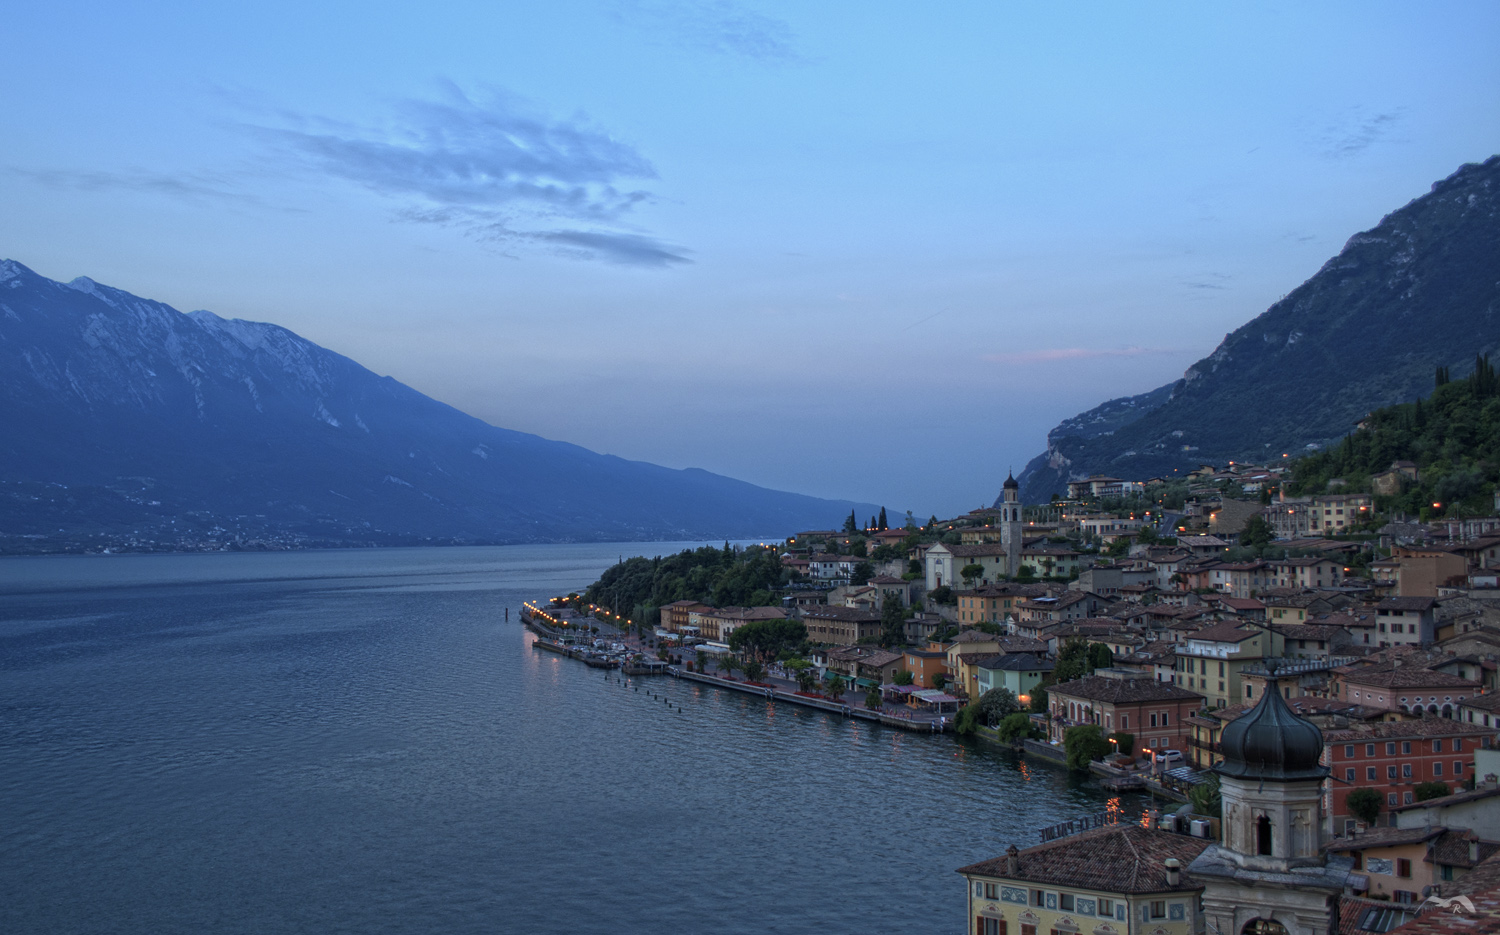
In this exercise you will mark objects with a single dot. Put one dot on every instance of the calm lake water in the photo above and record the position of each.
(356, 741)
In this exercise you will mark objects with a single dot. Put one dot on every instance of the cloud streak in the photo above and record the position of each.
(492, 168)
(1356, 133)
(1053, 355)
(183, 185)
(723, 28)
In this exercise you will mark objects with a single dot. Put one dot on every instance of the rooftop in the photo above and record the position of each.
(1124, 858)
(1118, 691)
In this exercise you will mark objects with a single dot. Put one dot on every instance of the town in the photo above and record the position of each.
(1170, 634)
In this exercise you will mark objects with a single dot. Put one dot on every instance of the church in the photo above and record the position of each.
(1267, 876)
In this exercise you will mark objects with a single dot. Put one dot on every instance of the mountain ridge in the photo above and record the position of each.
(1367, 330)
(265, 433)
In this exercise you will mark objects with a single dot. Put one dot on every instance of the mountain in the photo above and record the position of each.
(125, 420)
(1419, 290)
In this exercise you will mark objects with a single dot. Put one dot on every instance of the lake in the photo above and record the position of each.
(358, 741)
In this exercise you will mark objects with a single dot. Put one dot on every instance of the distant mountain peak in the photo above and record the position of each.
(1414, 292)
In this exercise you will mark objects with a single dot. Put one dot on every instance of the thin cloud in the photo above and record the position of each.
(183, 185)
(1356, 132)
(1052, 355)
(493, 168)
(724, 28)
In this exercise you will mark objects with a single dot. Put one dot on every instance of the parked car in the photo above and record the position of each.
(1170, 757)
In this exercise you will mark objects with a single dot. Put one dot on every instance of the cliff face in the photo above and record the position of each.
(1418, 290)
(118, 413)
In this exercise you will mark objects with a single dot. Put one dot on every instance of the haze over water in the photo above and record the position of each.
(358, 742)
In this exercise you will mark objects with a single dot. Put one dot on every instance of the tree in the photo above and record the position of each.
(1038, 700)
(1364, 804)
(892, 622)
(1100, 656)
(881, 522)
(702, 659)
(971, 573)
(1124, 743)
(863, 572)
(997, 704)
(1431, 790)
(1147, 535)
(1206, 797)
(1084, 744)
(1072, 660)
(1016, 727)
(1257, 533)
(851, 524)
(904, 677)
(967, 720)
(753, 669)
(806, 680)
(1119, 547)
(767, 639)
(938, 680)
(833, 683)
(727, 664)
(873, 701)
(942, 595)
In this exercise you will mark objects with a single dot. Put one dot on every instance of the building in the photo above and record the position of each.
(1121, 879)
(674, 616)
(945, 564)
(993, 603)
(1311, 571)
(1393, 757)
(927, 666)
(1209, 661)
(840, 625)
(1155, 712)
(1406, 621)
(1403, 685)
(1403, 864)
(1331, 514)
(1018, 672)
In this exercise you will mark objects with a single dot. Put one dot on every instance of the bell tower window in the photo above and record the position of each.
(1263, 836)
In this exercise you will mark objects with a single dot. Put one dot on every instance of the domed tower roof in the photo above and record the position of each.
(1010, 482)
(1271, 742)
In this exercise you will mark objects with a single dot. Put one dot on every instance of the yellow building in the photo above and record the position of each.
(1121, 879)
(1209, 661)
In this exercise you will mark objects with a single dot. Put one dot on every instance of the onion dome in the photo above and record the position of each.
(1271, 742)
(1010, 482)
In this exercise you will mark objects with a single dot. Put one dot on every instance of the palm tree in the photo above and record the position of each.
(727, 665)
(702, 661)
(753, 669)
(806, 680)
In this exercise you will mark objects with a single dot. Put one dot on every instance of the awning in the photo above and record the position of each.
(934, 696)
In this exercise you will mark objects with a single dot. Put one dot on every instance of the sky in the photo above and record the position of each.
(859, 250)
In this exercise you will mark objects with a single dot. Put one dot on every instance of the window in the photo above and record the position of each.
(990, 927)
(1406, 798)
(1437, 769)
(991, 891)
(1458, 745)
(1349, 774)
(1437, 746)
(1458, 768)
(1390, 748)
(1390, 772)
(1405, 770)
(1028, 929)
(1106, 907)
(1166, 718)
(1263, 836)
(1369, 774)
(1406, 746)
(1221, 670)
(1153, 719)
(1158, 908)
(1390, 799)
(1403, 867)
(1065, 902)
(1038, 898)
(1348, 751)
(1369, 749)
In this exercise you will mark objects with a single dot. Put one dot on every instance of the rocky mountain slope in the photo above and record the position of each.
(120, 416)
(1419, 290)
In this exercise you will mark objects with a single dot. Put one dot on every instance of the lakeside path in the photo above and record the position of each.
(774, 687)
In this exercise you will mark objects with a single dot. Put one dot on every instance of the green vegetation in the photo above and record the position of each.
(1078, 657)
(1207, 800)
(1017, 726)
(725, 577)
(1364, 804)
(892, 622)
(1453, 437)
(904, 677)
(1125, 743)
(997, 704)
(768, 639)
(1431, 790)
(1084, 744)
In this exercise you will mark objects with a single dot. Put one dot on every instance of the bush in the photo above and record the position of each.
(997, 704)
(1126, 742)
(1431, 790)
(967, 720)
(1364, 804)
(942, 595)
(1017, 726)
(1084, 744)
(1205, 797)
(904, 677)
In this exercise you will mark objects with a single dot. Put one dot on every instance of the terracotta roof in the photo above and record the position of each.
(1015, 662)
(1406, 603)
(1415, 728)
(1383, 837)
(1124, 858)
(840, 613)
(1457, 798)
(1118, 691)
(1226, 631)
(1452, 848)
(1411, 676)
(1359, 916)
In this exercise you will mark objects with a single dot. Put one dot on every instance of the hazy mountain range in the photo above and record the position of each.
(1418, 290)
(123, 417)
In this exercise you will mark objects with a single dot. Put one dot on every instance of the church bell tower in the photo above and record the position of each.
(1010, 524)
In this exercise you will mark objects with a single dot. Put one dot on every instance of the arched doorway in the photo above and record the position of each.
(1260, 926)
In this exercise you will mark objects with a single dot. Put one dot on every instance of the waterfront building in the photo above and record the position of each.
(840, 625)
(1210, 660)
(1117, 702)
(1122, 879)
(925, 665)
(1019, 672)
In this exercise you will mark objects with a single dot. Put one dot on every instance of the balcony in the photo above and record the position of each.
(1209, 745)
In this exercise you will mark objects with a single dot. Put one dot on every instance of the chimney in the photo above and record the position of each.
(1473, 850)
(1174, 871)
(1012, 861)
(1153, 819)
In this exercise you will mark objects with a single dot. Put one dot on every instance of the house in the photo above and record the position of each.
(1069, 605)
(1406, 621)
(1312, 571)
(674, 616)
(1051, 561)
(840, 625)
(1210, 660)
(1401, 864)
(1315, 641)
(1019, 672)
(1421, 570)
(1293, 678)
(944, 564)
(826, 566)
(1330, 514)
(889, 587)
(927, 666)
(1402, 685)
(1121, 878)
(1483, 710)
(1476, 809)
(1107, 580)
(972, 646)
(1393, 757)
(1203, 546)
(1239, 579)
(1205, 727)
(994, 603)
(1153, 711)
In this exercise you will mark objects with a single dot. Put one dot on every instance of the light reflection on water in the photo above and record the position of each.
(356, 741)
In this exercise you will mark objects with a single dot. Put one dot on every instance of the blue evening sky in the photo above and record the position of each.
(866, 250)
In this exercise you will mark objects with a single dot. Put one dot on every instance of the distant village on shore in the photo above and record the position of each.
(1316, 680)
